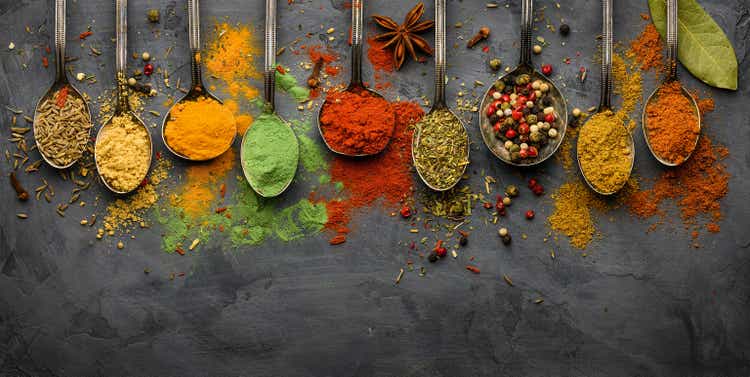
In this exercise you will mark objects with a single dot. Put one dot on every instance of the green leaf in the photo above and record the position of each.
(703, 47)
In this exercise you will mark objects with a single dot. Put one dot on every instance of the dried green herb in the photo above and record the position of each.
(441, 149)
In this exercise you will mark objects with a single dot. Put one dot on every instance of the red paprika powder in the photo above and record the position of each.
(356, 122)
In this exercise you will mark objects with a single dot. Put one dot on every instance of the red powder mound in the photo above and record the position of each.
(385, 176)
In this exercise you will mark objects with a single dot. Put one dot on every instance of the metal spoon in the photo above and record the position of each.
(197, 88)
(440, 71)
(605, 101)
(355, 84)
(122, 106)
(61, 79)
(525, 66)
(671, 76)
(269, 90)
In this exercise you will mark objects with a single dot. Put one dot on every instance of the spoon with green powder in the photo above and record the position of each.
(122, 106)
(270, 150)
(197, 88)
(440, 143)
(671, 76)
(601, 150)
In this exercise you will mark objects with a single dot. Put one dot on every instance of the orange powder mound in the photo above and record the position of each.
(696, 187)
(671, 123)
(647, 49)
(230, 56)
(202, 184)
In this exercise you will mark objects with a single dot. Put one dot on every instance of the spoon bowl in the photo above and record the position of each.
(61, 80)
(605, 101)
(525, 67)
(355, 83)
(122, 107)
(671, 68)
(197, 88)
(416, 138)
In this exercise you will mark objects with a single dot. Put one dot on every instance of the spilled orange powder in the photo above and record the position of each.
(202, 182)
(242, 120)
(230, 56)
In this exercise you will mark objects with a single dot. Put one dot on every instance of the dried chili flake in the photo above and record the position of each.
(180, 250)
(281, 69)
(85, 34)
(221, 209)
(62, 97)
(473, 269)
(337, 240)
(45, 62)
(223, 190)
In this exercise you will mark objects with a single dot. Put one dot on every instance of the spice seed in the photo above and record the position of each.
(22, 216)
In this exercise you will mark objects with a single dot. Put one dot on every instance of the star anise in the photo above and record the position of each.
(403, 38)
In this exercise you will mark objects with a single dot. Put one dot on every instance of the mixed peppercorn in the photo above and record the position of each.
(522, 116)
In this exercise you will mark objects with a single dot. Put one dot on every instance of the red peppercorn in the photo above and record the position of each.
(497, 103)
(521, 100)
(510, 133)
(538, 190)
(505, 98)
(516, 115)
(405, 212)
(523, 128)
(499, 206)
(533, 151)
(530, 214)
(549, 118)
(487, 205)
(532, 182)
(523, 153)
(547, 69)
(532, 96)
(148, 69)
(490, 110)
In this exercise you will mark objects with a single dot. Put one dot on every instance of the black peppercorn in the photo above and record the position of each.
(506, 239)
(432, 257)
(564, 30)
(547, 101)
(494, 118)
(463, 240)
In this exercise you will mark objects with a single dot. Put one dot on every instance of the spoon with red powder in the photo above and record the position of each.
(356, 121)
(671, 121)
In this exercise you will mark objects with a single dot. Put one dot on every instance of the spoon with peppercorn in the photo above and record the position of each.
(440, 142)
(524, 115)
(605, 106)
(122, 106)
(671, 78)
(58, 94)
(197, 88)
(355, 84)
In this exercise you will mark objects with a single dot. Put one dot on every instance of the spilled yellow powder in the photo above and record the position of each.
(243, 121)
(230, 57)
(124, 212)
(202, 185)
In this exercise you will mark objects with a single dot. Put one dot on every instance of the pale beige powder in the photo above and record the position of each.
(123, 153)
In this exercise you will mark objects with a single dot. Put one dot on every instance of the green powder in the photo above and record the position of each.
(270, 154)
(311, 155)
(288, 84)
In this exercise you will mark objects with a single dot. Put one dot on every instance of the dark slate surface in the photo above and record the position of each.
(639, 304)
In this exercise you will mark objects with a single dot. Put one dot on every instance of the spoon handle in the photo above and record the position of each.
(440, 68)
(671, 39)
(269, 71)
(194, 27)
(121, 36)
(527, 18)
(605, 101)
(60, 6)
(357, 21)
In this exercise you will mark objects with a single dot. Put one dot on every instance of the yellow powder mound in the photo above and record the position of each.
(200, 129)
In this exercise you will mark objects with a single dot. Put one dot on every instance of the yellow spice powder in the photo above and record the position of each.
(604, 152)
(230, 56)
(200, 129)
(123, 153)
(125, 211)
(202, 185)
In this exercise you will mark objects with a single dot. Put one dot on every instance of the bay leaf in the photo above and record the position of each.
(703, 47)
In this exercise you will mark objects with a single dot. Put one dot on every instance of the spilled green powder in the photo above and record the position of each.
(311, 155)
(270, 154)
(288, 84)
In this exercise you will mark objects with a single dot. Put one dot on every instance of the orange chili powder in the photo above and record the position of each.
(386, 175)
(356, 121)
(647, 49)
(671, 123)
(696, 187)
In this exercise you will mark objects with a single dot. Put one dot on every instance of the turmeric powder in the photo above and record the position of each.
(200, 130)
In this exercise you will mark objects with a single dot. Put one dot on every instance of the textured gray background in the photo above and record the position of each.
(639, 304)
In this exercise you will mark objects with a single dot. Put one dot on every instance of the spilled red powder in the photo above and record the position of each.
(647, 49)
(695, 187)
(385, 176)
(381, 58)
(316, 53)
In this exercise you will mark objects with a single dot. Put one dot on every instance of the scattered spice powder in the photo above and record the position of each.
(647, 49)
(197, 194)
(124, 212)
(386, 175)
(671, 123)
(231, 55)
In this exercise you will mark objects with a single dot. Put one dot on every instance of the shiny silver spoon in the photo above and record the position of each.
(524, 66)
(122, 106)
(439, 103)
(355, 84)
(197, 88)
(61, 80)
(671, 68)
(605, 101)
(269, 91)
